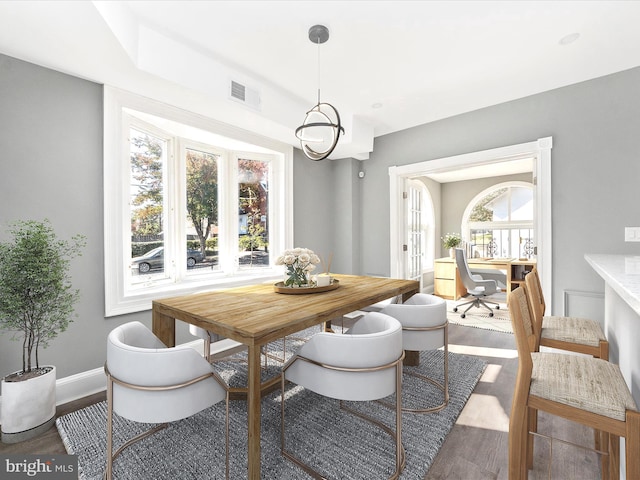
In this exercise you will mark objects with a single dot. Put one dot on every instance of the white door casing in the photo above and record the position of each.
(539, 150)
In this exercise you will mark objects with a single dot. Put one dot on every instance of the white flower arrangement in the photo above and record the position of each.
(298, 263)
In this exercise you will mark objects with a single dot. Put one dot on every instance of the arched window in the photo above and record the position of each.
(498, 222)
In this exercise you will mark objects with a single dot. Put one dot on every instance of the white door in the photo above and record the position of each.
(415, 246)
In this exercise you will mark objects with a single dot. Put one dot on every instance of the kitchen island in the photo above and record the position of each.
(621, 275)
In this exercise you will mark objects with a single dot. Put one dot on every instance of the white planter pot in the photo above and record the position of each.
(28, 407)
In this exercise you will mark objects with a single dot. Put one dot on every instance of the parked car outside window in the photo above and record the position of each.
(154, 259)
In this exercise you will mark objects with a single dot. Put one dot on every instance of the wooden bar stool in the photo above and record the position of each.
(590, 391)
(574, 334)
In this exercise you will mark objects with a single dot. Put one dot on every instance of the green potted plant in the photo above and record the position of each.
(36, 303)
(451, 241)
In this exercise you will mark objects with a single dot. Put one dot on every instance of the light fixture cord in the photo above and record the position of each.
(318, 44)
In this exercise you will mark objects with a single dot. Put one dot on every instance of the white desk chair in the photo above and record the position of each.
(476, 286)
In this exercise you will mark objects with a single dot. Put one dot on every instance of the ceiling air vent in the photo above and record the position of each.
(245, 95)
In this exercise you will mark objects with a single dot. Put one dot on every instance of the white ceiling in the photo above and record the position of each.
(419, 61)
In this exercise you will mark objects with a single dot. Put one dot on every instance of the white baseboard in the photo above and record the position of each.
(80, 385)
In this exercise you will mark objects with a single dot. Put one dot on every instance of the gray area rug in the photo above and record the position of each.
(479, 317)
(335, 442)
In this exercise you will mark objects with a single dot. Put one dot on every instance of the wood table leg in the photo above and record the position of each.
(164, 327)
(254, 413)
(411, 358)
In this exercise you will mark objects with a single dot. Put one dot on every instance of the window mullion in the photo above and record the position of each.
(228, 219)
(177, 208)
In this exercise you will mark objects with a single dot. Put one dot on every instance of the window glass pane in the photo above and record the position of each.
(502, 223)
(202, 211)
(521, 203)
(146, 190)
(483, 211)
(253, 211)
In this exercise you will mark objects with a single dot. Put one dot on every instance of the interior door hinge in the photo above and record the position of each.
(404, 195)
(404, 248)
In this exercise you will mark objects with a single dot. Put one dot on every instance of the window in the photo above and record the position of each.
(499, 221)
(190, 204)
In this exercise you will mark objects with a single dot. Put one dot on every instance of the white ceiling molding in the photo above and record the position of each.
(165, 56)
(389, 65)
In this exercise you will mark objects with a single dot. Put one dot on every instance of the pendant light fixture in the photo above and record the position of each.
(321, 129)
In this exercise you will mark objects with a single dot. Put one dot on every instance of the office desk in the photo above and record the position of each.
(256, 315)
(447, 282)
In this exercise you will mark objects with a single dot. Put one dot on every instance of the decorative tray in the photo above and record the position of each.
(280, 288)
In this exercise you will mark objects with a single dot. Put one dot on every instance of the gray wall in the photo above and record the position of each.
(327, 196)
(51, 128)
(51, 167)
(595, 169)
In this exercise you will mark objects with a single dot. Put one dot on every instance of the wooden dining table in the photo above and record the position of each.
(256, 315)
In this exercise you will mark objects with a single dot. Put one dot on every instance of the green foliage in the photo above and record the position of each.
(140, 248)
(202, 193)
(480, 212)
(146, 172)
(36, 296)
(451, 240)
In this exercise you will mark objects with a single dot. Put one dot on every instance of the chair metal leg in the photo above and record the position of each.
(476, 302)
(396, 435)
(443, 387)
(110, 455)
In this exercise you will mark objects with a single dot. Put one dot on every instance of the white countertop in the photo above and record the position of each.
(620, 272)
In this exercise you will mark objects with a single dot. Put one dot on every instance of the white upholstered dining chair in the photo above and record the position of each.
(216, 348)
(150, 383)
(424, 327)
(364, 364)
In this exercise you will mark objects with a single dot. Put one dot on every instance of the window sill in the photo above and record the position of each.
(142, 301)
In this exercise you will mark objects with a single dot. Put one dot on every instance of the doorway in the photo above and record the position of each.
(538, 151)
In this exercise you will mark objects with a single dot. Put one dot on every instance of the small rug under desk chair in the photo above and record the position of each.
(335, 442)
(479, 317)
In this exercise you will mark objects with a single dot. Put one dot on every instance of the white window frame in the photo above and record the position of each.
(120, 298)
(467, 226)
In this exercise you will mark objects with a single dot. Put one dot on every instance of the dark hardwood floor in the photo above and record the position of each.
(476, 448)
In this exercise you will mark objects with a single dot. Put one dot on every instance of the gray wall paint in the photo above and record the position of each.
(51, 129)
(51, 167)
(327, 197)
(314, 207)
(595, 169)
